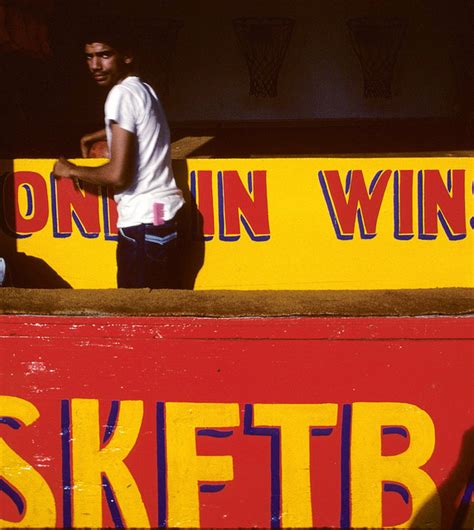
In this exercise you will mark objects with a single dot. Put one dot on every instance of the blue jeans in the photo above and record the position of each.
(147, 256)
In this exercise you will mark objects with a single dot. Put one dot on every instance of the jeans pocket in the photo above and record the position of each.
(126, 259)
(160, 241)
(126, 238)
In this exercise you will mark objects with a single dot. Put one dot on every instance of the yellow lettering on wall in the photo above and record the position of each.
(90, 461)
(39, 504)
(369, 469)
(295, 422)
(184, 467)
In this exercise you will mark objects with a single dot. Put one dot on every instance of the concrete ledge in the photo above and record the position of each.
(145, 302)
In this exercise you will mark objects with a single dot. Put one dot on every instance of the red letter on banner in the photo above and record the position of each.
(205, 202)
(237, 205)
(35, 217)
(356, 200)
(80, 205)
(404, 204)
(446, 202)
(110, 213)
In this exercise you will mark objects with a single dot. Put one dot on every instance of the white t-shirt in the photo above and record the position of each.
(135, 107)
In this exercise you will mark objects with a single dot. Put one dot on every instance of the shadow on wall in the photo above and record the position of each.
(192, 247)
(21, 270)
(455, 492)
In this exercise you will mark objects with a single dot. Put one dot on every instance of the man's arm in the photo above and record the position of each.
(118, 172)
(89, 139)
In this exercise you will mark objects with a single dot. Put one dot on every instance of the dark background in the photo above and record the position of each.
(48, 101)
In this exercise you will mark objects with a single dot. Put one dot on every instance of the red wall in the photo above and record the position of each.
(422, 362)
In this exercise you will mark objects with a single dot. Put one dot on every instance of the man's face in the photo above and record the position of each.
(106, 64)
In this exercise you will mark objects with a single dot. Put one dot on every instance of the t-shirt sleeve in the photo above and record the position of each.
(121, 109)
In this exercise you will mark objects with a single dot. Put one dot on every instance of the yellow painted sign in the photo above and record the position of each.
(313, 223)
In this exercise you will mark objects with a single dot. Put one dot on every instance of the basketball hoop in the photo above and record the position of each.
(264, 42)
(376, 42)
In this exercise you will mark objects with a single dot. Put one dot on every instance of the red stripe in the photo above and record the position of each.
(284, 328)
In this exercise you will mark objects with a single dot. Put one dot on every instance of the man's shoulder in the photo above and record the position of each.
(128, 89)
(134, 85)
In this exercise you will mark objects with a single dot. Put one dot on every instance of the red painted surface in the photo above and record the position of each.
(423, 361)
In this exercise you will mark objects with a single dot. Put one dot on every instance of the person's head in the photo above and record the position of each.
(109, 56)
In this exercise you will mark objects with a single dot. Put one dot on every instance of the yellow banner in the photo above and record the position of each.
(315, 223)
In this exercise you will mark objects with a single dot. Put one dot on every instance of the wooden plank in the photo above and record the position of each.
(145, 302)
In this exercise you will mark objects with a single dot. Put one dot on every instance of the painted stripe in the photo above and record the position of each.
(211, 488)
(11, 422)
(160, 240)
(13, 494)
(214, 433)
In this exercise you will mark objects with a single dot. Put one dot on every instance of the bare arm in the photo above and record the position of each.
(118, 172)
(89, 139)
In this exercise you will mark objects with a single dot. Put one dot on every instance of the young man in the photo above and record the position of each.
(139, 169)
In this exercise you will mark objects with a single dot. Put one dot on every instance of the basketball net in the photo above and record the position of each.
(264, 42)
(376, 42)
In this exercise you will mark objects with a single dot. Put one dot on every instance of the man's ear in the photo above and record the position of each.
(128, 59)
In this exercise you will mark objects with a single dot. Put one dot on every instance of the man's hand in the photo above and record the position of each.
(118, 172)
(86, 143)
(64, 169)
(89, 139)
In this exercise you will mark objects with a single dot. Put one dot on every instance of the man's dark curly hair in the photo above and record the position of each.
(114, 32)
